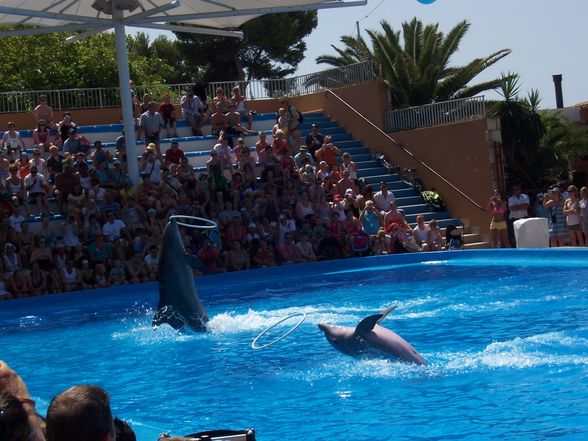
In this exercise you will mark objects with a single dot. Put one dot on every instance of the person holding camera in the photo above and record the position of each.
(571, 211)
(498, 227)
(150, 164)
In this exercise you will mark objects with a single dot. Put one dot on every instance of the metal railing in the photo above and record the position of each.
(445, 112)
(109, 97)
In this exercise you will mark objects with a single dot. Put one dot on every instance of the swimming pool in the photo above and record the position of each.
(505, 334)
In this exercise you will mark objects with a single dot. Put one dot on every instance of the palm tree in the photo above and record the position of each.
(416, 67)
(541, 145)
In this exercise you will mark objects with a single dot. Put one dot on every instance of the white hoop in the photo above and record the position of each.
(209, 224)
(254, 344)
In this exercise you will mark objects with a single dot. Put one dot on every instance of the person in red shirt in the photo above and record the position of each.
(280, 144)
(328, 152)
(174, 154)
(168, 111)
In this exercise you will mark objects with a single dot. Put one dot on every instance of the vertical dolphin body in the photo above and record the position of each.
(179, 304)
(369, 334)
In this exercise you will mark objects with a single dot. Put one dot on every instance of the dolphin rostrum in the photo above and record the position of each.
(369, 334)
(179, 304)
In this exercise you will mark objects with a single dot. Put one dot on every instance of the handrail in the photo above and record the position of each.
(442, 112)
(405, 150)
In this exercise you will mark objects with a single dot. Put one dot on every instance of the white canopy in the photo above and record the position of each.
(217, 17)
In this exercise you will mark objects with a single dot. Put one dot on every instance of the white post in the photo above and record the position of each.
(122, 59)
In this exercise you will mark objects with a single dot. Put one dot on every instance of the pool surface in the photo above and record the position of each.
(504, 332)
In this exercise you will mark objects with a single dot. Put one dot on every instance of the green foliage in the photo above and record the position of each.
(272, 47)
(45, 62)
(415, 63)
(543, 143)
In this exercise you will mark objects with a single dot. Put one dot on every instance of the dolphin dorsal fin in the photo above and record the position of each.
(368, 323)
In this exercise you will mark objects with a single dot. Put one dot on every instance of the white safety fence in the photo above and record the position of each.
(108, 97)
(445, 112)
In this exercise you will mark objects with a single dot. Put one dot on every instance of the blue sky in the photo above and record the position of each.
(547, 37)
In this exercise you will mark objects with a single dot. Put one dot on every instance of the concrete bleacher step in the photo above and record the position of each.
(403, 192)
(413, 208)
(363, 165)
(359, 158)
(350, 144)
(443, 218)
(408, 200)
(386, 177)
(371, 171)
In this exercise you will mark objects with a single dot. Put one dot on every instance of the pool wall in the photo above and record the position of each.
(143, 294)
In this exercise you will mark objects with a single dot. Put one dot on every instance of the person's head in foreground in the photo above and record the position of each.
(81, 413)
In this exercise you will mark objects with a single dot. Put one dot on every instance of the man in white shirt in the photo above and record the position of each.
(151, 123)
(285, 226)
(15, 220)
(37, 188)
(192, 108)
(152, 261)
(518, 207)
(383, 198)
(113, 228)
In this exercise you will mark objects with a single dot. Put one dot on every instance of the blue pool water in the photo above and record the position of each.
(505, 334)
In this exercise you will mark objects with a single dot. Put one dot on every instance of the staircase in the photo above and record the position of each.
(408, 199)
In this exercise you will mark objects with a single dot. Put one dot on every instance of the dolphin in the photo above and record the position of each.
(369, 334)
(179, 304)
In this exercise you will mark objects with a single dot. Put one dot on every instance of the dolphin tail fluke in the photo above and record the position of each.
(169, 315)
(385, 312)
(368, 323)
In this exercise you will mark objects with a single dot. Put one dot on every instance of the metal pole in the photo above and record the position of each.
(124, 78)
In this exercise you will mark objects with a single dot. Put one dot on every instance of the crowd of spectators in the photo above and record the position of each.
(275, 203)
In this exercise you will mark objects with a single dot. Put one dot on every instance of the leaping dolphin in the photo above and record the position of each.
(179, 304)
(369, 334)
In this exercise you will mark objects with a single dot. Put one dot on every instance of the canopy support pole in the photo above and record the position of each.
(124, 79)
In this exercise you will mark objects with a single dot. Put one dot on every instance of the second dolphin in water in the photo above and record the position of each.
(369, 334)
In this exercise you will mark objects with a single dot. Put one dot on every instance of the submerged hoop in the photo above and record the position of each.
(209, 224)
(290, 331)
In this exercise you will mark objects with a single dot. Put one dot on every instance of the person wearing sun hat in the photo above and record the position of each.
(150, 164)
